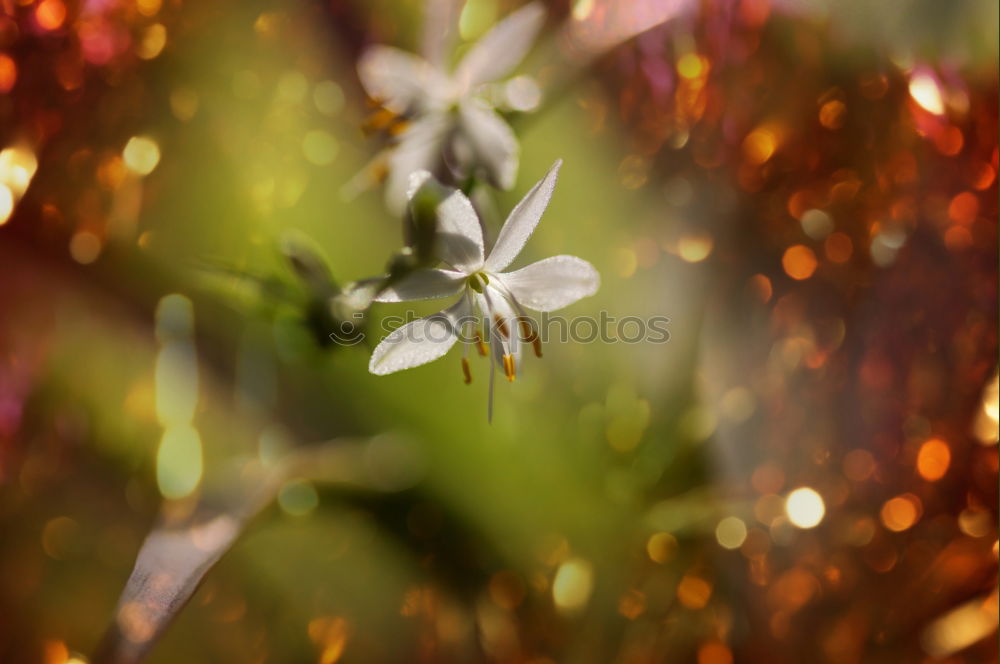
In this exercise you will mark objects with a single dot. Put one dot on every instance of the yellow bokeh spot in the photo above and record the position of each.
(805, 508)
(799, 262)
(901, 512)
(141, 155)
(148, 7)
(84, 247)
(933, 459)
(17, 167)
(179, 462)
(152, 42)
(760, 145)
(731, 532)
(50, 14)
(694, 592)
(573, 584)
(692, 66)
(695, 248)
(661, 547)
(924, 90)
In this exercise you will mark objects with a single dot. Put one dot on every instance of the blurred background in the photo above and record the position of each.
(805, 472)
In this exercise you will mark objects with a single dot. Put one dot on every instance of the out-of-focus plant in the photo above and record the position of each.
(447, 123)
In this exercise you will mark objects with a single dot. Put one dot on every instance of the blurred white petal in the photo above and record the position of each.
(419, 148)
(492, 141)
(399, 80)
(501, 49)
(440, 27)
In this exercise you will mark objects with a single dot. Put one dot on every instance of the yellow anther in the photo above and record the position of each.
(466, 371)
(508, 367)
(379, 119)
(398, 127)
(480, 346)
(528, 334)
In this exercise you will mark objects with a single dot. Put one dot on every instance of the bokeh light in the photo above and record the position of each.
(792, 205)
(805, 507)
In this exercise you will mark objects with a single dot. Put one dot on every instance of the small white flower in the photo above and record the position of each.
(492, 303)
(453, 116)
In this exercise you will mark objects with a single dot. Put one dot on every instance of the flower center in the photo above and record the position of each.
(478, 281)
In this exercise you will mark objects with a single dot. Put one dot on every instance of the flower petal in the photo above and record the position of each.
(552, 283)
(502, 48)
(399, 80)
(460, 237)
(493, 143)
(423, 285)
(522, 221)
(419, 342)
(419, 148)
(439, 28)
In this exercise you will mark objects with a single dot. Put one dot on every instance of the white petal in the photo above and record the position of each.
(399, 80)
(419, 149)
(423, 285)
(502, 48)
(552, 283)
(494, 145)
(440, 26)
(417, 180)
(419, 342)
(522, 221)
(460, 237)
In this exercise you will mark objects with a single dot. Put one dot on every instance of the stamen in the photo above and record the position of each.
(480, 345)
(466, 371)
(531, 336)
(379, 119)
(398, 127)
(508, 367)
(502, 326)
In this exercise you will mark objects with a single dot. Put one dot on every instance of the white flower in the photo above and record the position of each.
(492, 303)
(452, 118)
